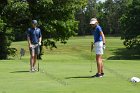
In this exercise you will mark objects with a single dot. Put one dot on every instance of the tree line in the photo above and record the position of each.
(56, 19)
(117, 17)
(61, 19)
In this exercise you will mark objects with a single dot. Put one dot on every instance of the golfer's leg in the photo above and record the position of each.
(99, 64)
(102, 67)
(35, 57)
(32, 58)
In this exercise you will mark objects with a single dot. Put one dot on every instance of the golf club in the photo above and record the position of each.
(38, 52)
(91, 50)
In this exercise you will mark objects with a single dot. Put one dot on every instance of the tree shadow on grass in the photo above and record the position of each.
(20, 72)
(125, 54)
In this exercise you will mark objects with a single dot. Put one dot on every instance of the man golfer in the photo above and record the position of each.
(99, 42)
(34, 38)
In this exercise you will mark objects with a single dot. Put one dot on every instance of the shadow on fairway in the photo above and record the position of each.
(20, 72)
(80, 77)
(125, 54)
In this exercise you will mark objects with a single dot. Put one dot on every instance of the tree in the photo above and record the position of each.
(111, 16)
(56, 18)
(5, 35)
(3, 50)
(130, 25)
(111, 12)
(84, 15)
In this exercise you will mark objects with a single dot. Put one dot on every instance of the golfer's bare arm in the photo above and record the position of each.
(40, 39)
(103, 36)
(29, 41)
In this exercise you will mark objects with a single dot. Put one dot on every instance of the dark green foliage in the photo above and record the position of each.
(56, 19)
(111, 13)
(130, 22)
(108, 14)
(5, 41)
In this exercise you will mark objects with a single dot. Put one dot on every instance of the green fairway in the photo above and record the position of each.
(66, 70)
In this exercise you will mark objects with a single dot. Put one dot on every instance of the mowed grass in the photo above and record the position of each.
(66, 70)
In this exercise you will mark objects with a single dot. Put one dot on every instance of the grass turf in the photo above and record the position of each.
(66, 70)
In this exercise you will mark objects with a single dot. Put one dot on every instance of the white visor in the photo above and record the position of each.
(93, 22)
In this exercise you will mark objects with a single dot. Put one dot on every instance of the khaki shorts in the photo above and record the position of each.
(99, 47)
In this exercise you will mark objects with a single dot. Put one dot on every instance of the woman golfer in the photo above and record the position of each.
(34, 38)
(99, 42)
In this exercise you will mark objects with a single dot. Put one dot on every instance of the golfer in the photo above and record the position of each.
(99, 43)
(34, 38)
